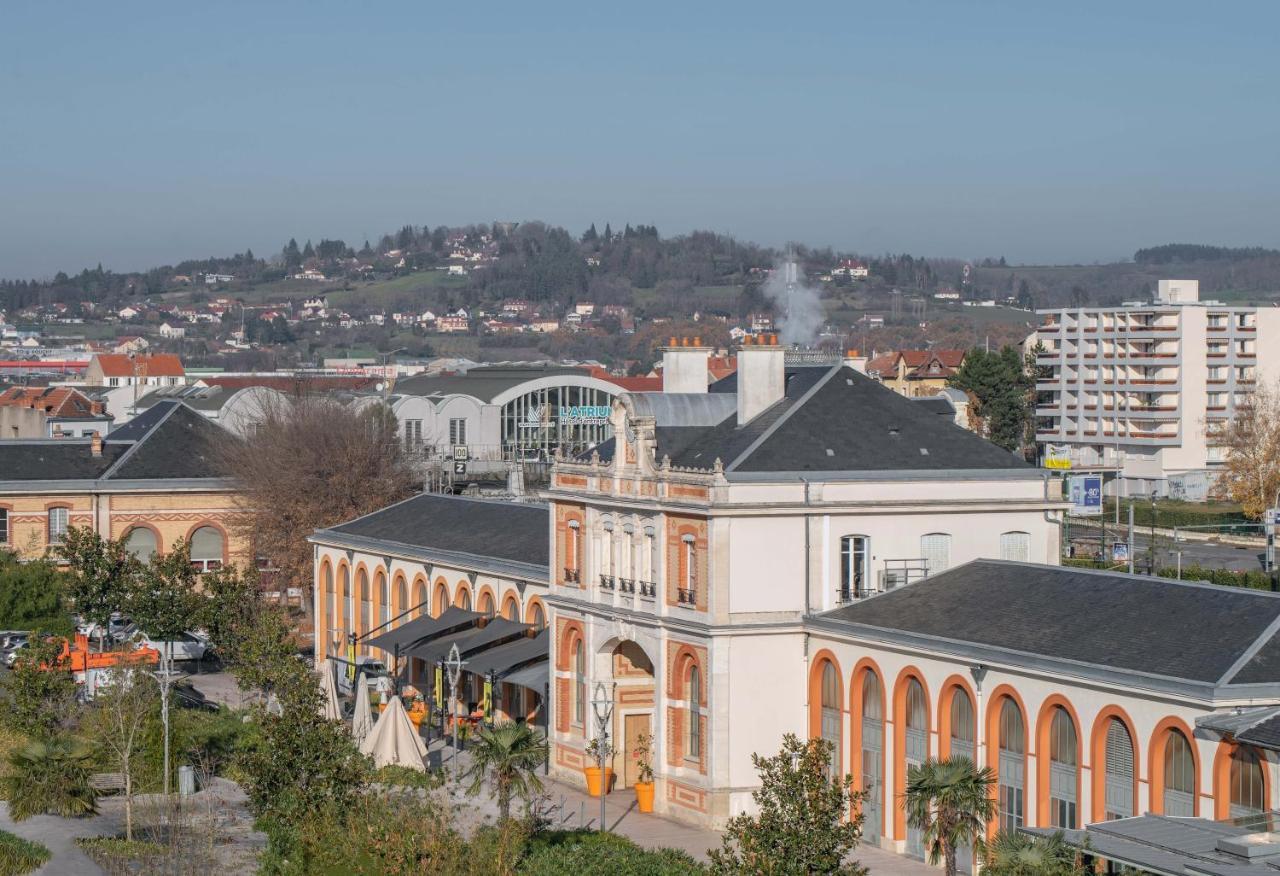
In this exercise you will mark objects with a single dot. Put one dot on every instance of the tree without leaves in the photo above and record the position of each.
(950, 802)
(312, 463)
(121, 710)
(1251, 473)
(804, 824)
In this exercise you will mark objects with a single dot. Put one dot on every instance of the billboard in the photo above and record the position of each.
(1086, 495)
(1055, 457)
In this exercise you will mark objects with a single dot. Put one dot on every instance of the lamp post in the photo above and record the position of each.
(453, 666)
(602, 705)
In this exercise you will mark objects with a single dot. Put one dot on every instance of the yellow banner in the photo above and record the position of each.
(439, 691)
(487, 703)
(351, 660)
(1061, 464)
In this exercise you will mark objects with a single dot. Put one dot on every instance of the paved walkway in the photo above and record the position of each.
(58, 835)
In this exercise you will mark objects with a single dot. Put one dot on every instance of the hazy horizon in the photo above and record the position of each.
(144, 134)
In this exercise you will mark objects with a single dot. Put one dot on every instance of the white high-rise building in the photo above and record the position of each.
(1139, 389)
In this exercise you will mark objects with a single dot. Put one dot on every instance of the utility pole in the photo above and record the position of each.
(454, 666)
(1130, 538)
(603, 707)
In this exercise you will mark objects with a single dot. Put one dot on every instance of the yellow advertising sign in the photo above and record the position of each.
(487, 703)
(439, 690)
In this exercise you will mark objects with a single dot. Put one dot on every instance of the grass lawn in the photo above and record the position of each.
(19, 856)
(420, 288)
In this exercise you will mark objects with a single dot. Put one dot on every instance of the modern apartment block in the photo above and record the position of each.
(1140, 389)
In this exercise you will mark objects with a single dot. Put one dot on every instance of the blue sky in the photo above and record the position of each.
(140, 133)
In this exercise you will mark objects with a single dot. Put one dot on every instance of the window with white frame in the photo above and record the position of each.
(4, 525)
(1015, 546)
(855, 554)
(935, 549)
(458, 431)
(689, 580)
(57, 524)
(693, 734)
(207, 548)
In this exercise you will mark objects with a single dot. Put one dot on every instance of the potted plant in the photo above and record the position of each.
(643, 754)
(598, 751)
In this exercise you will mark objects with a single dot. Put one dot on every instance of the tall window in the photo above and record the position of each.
(1179, 776)
(206, 549)
(464, 599)
(651, 551)
(693, 735)
(831, 718)
(579, 684)
(4, 525)
(458, 431)
(486, 604)
(366, 607)
(962, 725)
(606, 549)
(1247, 789)
(1064, 759)
(326, 592)
(384, 597)
(1011, 773)
(57, 524)
(916, 739)
(402, 598)
(1119, 776)
(538, 619)
(872, 753)
(573, 552)
(346, 609)
(854, 557)
(511, 610)
(935, 548)
(688, 569)
(141, 542)
(412, 434)
(1015, 546)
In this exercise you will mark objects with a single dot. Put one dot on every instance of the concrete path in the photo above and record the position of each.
(58, 835)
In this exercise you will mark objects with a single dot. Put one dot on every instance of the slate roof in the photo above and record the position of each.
(167, 442)
(1174, 629)
(1163, 844)
(512, 531)
(485, 383)
(833, 419)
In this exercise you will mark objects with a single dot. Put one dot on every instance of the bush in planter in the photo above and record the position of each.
(601, 854)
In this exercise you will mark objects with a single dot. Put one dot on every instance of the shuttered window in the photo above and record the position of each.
(1119, 784)
(935, 548)
(1015, 546)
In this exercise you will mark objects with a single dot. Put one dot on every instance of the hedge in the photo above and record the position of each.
(19, 856)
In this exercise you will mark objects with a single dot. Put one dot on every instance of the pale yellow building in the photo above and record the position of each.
(154, 481)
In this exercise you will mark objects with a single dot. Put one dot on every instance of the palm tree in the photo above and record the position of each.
(949, 802)
(1017, 854)
(49, 778)
(508, 756)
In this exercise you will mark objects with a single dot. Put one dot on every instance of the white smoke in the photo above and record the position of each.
(799, 307)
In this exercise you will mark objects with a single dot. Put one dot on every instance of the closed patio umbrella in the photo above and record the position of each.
(394, 739)
(361, 722)
(329, 690)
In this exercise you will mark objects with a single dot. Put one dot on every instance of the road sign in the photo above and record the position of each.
(459, 469)
(1119, 552)
(460, 452)
(1086, 495)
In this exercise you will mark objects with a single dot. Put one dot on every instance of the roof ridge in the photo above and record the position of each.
(799, 403)
(1252, 651)
(128, 454)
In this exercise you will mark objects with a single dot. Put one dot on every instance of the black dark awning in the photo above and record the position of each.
(415, 631)
(511, 656)
(497, 631)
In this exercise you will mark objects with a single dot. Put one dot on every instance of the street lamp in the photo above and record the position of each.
(602, 705)
(453, 666)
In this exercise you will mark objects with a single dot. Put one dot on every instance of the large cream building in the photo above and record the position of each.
(689, 551)
(1140, 389)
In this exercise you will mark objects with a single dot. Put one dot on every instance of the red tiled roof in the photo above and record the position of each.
(56, 401)
(284, 383)
(154, 365)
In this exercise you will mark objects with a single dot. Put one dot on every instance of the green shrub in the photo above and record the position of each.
(19, 856)
(1252, 579)
(50, 777)
(394, 775)
(601, 854)
(115, 855)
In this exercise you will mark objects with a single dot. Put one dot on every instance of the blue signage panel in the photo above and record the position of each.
(1086, 495)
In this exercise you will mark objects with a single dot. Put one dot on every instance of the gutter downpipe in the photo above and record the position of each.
(807, 608)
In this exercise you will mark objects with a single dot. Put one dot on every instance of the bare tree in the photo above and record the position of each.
(313, 461)
(121, 708)
(1251, 471)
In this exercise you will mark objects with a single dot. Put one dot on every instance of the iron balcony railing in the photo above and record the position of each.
(608, 582)
(572, 576)
(648, 589)
(686, 596)
(627, 585)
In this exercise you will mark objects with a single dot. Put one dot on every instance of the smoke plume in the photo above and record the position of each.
(798, 306)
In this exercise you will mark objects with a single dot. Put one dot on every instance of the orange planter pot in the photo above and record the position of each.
(594, 780)
(644, 796)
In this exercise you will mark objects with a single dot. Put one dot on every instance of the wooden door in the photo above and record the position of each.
(633, 727)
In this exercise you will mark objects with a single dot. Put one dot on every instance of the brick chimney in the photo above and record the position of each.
(95, 444)
(856, 361)
(761, 376)
(684, 366)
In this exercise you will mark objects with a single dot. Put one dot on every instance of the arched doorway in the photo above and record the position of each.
(831, 723)
(632, 670)
(872, 719)
(915, 750)
(1011, 772)
(1064, 769)
(1179, 794)
(1119, 777)
(1247, 784)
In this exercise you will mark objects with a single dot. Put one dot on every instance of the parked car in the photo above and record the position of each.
(375, 674)
(188, 646)
(10, 638)
(120, 628)
(11, 655)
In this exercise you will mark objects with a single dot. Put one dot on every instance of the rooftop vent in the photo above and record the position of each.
(1251, 846)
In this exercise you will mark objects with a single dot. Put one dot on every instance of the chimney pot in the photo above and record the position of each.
(95, 444)
(761, 379)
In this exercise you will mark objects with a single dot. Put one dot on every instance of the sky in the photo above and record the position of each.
(135, 134)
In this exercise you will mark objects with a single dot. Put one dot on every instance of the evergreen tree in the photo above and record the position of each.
(590, 236)
(308, 251)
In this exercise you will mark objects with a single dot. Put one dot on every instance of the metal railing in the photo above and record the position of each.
(686, 596)
(572, 576)
(648, 589)
(627, 585)
(608, 582)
